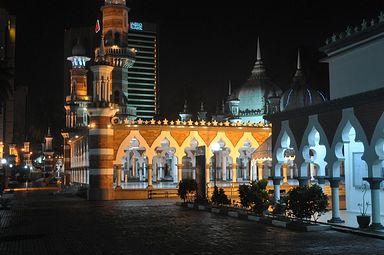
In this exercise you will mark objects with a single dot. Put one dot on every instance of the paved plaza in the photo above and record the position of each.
(40, 223)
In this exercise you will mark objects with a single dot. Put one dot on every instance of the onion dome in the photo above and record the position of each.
(300, 95)
(78, 49)
(254, 92)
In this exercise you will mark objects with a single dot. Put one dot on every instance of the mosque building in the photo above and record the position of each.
(339, 142)
(294, 137)
(119, 155)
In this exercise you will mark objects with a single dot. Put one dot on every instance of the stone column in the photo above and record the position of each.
(118, 177)
(101, 153)
(149, 175)
(303, 180)
(67, 163)
(234, 172)
(276, 187)
(374, 184)
(335, 200)
(179, 172)
(260, 169)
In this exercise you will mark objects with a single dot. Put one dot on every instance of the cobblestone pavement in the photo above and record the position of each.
(39, 223)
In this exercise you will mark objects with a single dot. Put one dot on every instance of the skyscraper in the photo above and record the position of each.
(143, 85)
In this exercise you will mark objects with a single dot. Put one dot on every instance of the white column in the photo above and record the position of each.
(335, 201)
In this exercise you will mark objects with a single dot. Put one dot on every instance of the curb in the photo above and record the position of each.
(264, 220)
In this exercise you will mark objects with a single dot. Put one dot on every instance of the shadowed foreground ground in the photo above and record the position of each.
(39, 223)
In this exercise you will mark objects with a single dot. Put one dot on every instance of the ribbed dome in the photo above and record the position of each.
(254, 92)
(78, 49)
(300, 95)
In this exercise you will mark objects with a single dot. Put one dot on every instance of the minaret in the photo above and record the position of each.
(48, 152)
(185, 115)
(115, 52)
(202, 114)
(76, 102)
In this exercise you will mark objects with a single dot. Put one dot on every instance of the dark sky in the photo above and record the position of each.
(203, 44)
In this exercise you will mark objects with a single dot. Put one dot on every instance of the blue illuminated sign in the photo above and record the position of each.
(136, 26)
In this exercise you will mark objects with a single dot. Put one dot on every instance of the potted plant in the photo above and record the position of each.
(363, 219)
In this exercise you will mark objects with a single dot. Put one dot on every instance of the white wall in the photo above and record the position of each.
(357, 70)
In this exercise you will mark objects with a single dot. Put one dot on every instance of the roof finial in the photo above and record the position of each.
(101, 50)
(298, 60)
(229, 88)
(185, 106)
(202, 106)
(258, 56)
(49, 131)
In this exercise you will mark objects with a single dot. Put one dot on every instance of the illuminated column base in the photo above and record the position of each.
(100, 187)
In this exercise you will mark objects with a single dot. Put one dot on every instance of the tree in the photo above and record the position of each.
(219, 197)
(307, 202)
(255, 196)
(187, 189)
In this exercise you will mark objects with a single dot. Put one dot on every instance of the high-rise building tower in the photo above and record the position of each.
(143, 76)
(7, 57)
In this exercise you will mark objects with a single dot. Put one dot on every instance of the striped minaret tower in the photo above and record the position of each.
(100, 141)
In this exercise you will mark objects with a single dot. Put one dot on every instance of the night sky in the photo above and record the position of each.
(202, 46)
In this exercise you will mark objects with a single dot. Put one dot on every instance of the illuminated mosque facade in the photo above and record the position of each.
(260, 132)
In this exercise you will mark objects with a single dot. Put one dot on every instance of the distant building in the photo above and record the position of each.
(143, 76)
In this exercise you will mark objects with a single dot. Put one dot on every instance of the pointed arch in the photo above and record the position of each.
(126, 143)
(348, 121)
(375, 154)
(314, 148)
(285, 140)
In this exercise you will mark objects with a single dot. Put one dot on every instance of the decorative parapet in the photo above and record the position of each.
(165, 122)
(350, 31)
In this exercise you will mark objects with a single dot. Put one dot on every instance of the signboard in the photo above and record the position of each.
(200, 173)
(136, 26)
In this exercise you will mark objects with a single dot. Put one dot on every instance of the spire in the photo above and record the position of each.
(258, 68)
(101, 50)
(298, 60)
(202, 107)
(299, 79)
(49, 131)
(229, 88)
(258, 56)
(185, 106)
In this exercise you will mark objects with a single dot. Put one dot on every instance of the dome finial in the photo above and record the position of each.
(185, 106)
(101, 50)
(298, 60)
(229, 88)
(258, 56)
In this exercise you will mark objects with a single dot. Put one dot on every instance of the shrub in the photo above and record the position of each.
(255, 196)
(219, 197)
(187, 189)
(307, 202)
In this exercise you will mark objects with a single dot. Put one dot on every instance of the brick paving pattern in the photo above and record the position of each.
(39, 223)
